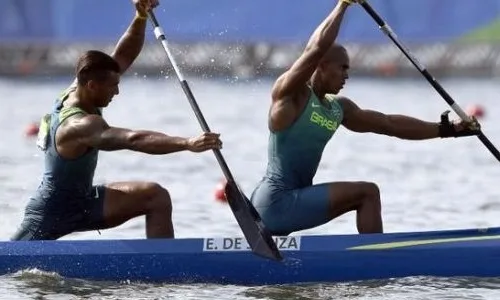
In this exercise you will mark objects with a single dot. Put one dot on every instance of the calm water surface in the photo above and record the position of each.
(431, 185)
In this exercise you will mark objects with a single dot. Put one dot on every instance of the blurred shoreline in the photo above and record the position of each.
(479, 59)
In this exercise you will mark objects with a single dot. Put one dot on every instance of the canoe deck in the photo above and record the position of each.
(320, 258)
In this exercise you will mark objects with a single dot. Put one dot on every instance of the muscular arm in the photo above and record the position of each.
(292, 84)
(404, 127)
(130, 44)
(293, 80)
(93, 131)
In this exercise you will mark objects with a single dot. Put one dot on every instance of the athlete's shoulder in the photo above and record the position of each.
(81, 126)
(336, 98)
(64, 94)
(70, 111)
(341, 100)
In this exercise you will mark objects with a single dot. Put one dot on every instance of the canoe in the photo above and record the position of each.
(228, 260)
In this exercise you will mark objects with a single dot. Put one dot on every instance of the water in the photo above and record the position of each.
(425, 185)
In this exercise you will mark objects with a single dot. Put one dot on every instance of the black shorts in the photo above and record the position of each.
(45, 225)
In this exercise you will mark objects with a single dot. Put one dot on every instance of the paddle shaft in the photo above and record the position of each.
(160, 35)
(259, 238)
(458, 110)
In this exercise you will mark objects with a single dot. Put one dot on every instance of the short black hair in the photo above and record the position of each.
(95, 65)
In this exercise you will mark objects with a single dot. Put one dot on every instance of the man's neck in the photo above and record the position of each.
(317, 87)
(81, 100)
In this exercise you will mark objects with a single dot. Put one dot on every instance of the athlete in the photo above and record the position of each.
(304, 114)
(67, 200)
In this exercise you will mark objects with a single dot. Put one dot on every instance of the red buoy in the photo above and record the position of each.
(476, 110)
(31, 130)
(219, 193)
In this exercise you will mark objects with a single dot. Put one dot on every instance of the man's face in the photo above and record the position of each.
(334, 71)
(103, 91)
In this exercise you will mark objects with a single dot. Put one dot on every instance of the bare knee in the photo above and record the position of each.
(158, 197)
(370, 190)
(371, 193)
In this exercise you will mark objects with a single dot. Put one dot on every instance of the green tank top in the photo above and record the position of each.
(294, 153)
(70, 176)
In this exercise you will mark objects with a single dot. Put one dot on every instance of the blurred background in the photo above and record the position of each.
(451, 37)
(231, 52)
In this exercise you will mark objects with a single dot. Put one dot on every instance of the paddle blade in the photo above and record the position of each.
(256, 234)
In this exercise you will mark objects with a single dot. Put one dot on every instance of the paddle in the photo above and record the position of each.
(458, 110)
(257, 236)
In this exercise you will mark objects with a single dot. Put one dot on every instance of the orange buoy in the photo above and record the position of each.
(219, 193)
(475, 110)
(387, 69)
(31, 130)
(26, 67)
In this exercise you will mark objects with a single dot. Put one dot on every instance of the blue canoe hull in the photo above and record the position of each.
(323, 258)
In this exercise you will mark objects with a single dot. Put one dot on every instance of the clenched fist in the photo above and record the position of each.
(204, 142)
(143, 6)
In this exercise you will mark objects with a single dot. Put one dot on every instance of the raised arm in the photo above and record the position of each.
(93, 131)
(131, 42)
(294, 79)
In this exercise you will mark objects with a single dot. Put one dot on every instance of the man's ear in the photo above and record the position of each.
(91, 85)
(323, 63)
